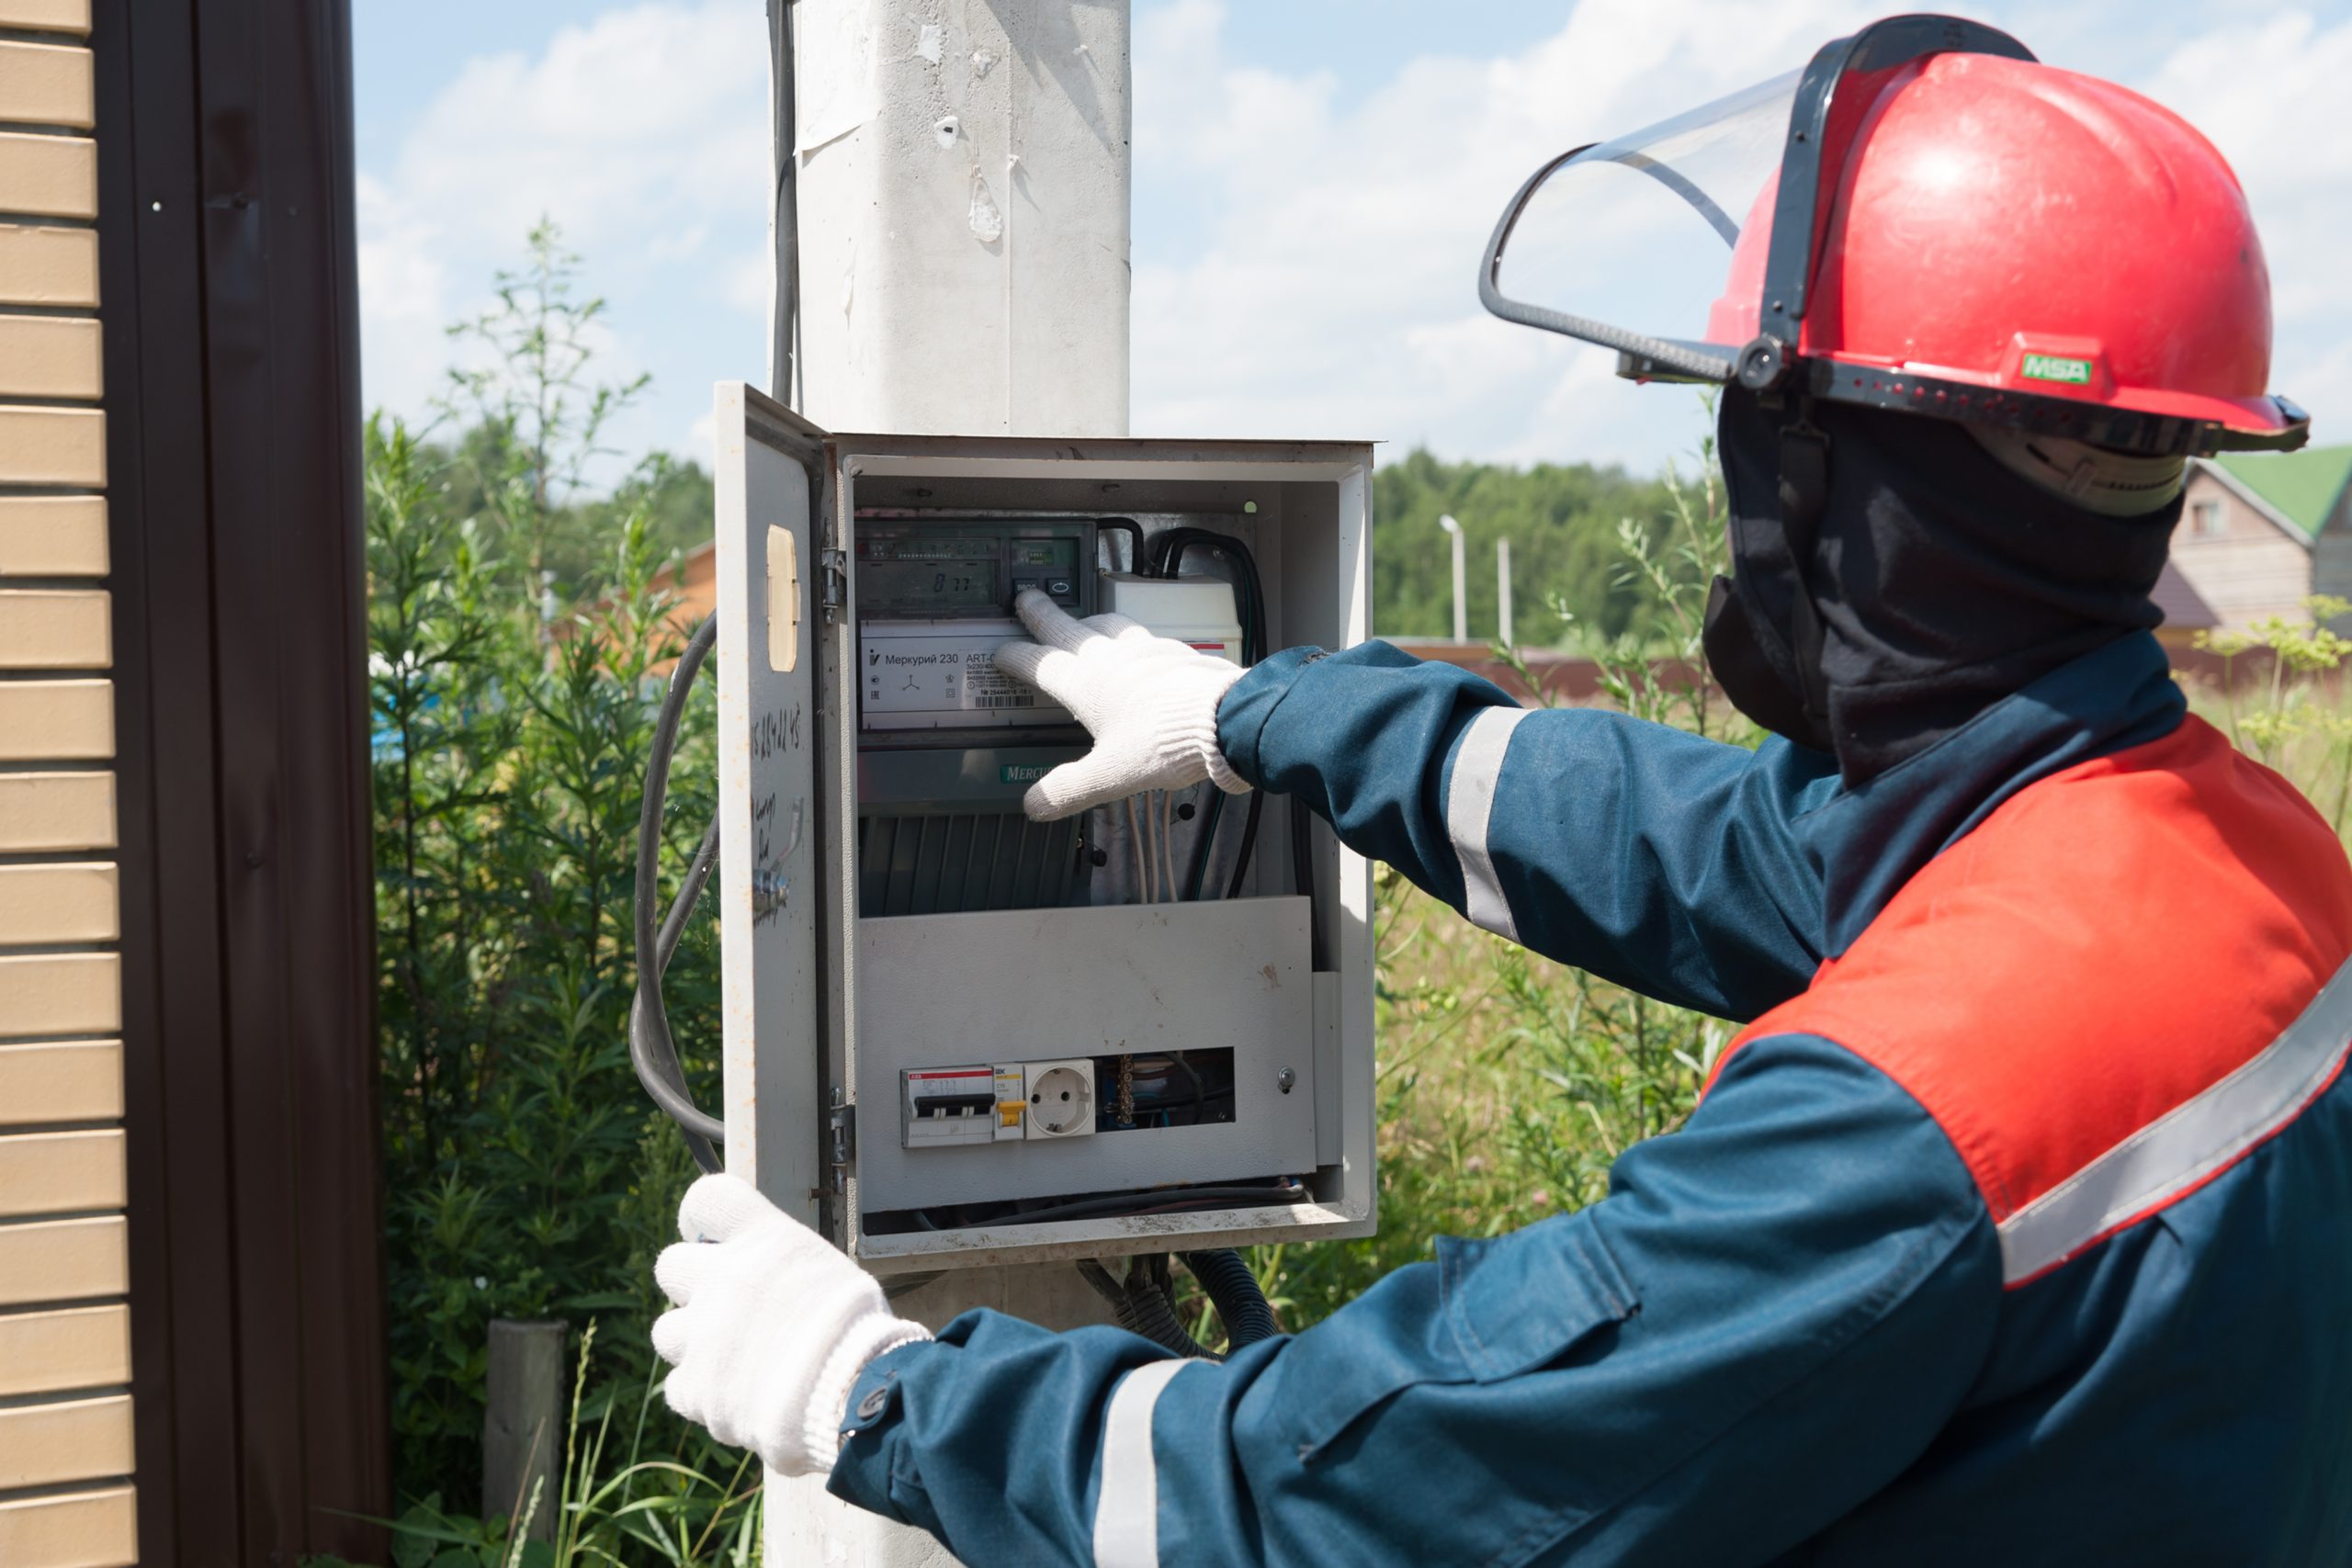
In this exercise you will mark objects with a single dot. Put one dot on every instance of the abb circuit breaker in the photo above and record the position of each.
(956, 1035)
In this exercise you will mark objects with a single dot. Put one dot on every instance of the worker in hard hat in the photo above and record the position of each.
(2016, 1226)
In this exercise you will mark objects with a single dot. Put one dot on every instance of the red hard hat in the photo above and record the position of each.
(2006, 224)
(1927, 219)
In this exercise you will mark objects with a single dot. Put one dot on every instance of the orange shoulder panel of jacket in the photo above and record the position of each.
(2112, 941)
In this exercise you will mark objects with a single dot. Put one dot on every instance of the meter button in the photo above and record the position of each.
(1058, 587)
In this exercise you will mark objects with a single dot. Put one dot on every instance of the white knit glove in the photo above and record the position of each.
(771, 1326)
(1149, 702)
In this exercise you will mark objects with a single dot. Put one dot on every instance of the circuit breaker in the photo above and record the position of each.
(956, 1035)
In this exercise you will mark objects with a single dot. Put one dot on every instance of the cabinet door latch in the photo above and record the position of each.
(832, 567)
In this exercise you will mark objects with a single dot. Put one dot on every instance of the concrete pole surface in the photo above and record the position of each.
(1461, 580)
(523, 1422)
(1502, 593)
(963, 187)
(962, 183)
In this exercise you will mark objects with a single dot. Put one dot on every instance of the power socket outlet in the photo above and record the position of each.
(1060, 1096)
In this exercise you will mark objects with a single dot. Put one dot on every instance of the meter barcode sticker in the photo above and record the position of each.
(986, 687)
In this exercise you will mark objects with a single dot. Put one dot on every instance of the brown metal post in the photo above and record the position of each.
(229, 274)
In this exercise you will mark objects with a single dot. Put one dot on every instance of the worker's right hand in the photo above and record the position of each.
(1149, 702)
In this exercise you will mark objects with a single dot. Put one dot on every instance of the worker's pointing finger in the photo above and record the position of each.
(717, 1207)
(1049, 622)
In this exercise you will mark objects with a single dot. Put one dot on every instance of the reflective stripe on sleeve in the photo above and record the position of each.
(1469, 808)
(1126, 1505)
(2189, 1146)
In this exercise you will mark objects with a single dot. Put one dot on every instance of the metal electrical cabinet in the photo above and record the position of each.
(956, 1036)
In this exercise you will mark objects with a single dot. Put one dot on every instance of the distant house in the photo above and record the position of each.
(2261, 532)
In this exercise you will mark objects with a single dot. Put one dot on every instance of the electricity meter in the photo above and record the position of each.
(955, 1035)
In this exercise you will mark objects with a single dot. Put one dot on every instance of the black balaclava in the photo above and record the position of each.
(1935, 580)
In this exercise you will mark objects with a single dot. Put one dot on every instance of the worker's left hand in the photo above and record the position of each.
(771, 1326)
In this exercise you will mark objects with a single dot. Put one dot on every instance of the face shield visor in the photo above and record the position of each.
(1709, 248)
(1628, 243)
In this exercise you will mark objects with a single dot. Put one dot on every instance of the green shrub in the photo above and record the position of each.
(524, 1175)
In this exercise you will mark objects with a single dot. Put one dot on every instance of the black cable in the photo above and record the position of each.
(1203, 843)
(1145, 1304)
(1249, 843)
(1242, 1306)
(652, 1049)
(784, 354)
(1125, 1202)
(1302, 873)
(1137, 564)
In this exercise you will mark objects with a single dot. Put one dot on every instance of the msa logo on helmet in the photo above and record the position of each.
(1020, 773)
(2052, 367)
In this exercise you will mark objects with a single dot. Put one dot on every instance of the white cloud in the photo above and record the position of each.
(1325, 283)
(2266, 94)
(1331, 286)
(642, 131)
(1335, 290)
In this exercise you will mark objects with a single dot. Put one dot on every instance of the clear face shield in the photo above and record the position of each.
(1629, 243)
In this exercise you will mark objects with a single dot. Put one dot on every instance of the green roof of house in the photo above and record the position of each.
(2300, 486)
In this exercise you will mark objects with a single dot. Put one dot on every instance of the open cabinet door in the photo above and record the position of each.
(770, 487)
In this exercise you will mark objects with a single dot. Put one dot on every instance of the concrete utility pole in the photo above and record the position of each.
(1502, 593)
(961, 181)
(1461, 580)
(963, 189)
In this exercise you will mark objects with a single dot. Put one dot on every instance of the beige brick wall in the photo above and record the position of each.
(66, 1499)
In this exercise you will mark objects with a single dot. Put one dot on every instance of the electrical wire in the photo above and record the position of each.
(783, 357)
(652, 1049)
(1167, 849)
(1137, 564)
(1134, 841)
(1179, 1197)
(1145, 1302)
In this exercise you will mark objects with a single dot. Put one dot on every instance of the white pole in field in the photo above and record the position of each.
(961, 175)
(1461, 580)
(1502, 592)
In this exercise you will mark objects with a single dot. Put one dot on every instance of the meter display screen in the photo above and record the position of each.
(949, 584)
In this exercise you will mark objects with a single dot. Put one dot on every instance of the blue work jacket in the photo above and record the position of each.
(2015, 1228)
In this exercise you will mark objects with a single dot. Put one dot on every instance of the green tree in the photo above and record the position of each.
(534, 419)
(1562, 521)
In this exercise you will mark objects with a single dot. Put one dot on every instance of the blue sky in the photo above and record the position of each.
(1314, 180)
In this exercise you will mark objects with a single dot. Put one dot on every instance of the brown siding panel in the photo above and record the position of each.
(49, 812)
(52, 446)
(82, 1530)
(62, 721)
(61, 1352)
(46, 83)
(63, 1260)
(79, 1440)
(49, 177)
(59, 993)
(72, 1080)
(55, 630)
(49, 357)
(49, 266)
